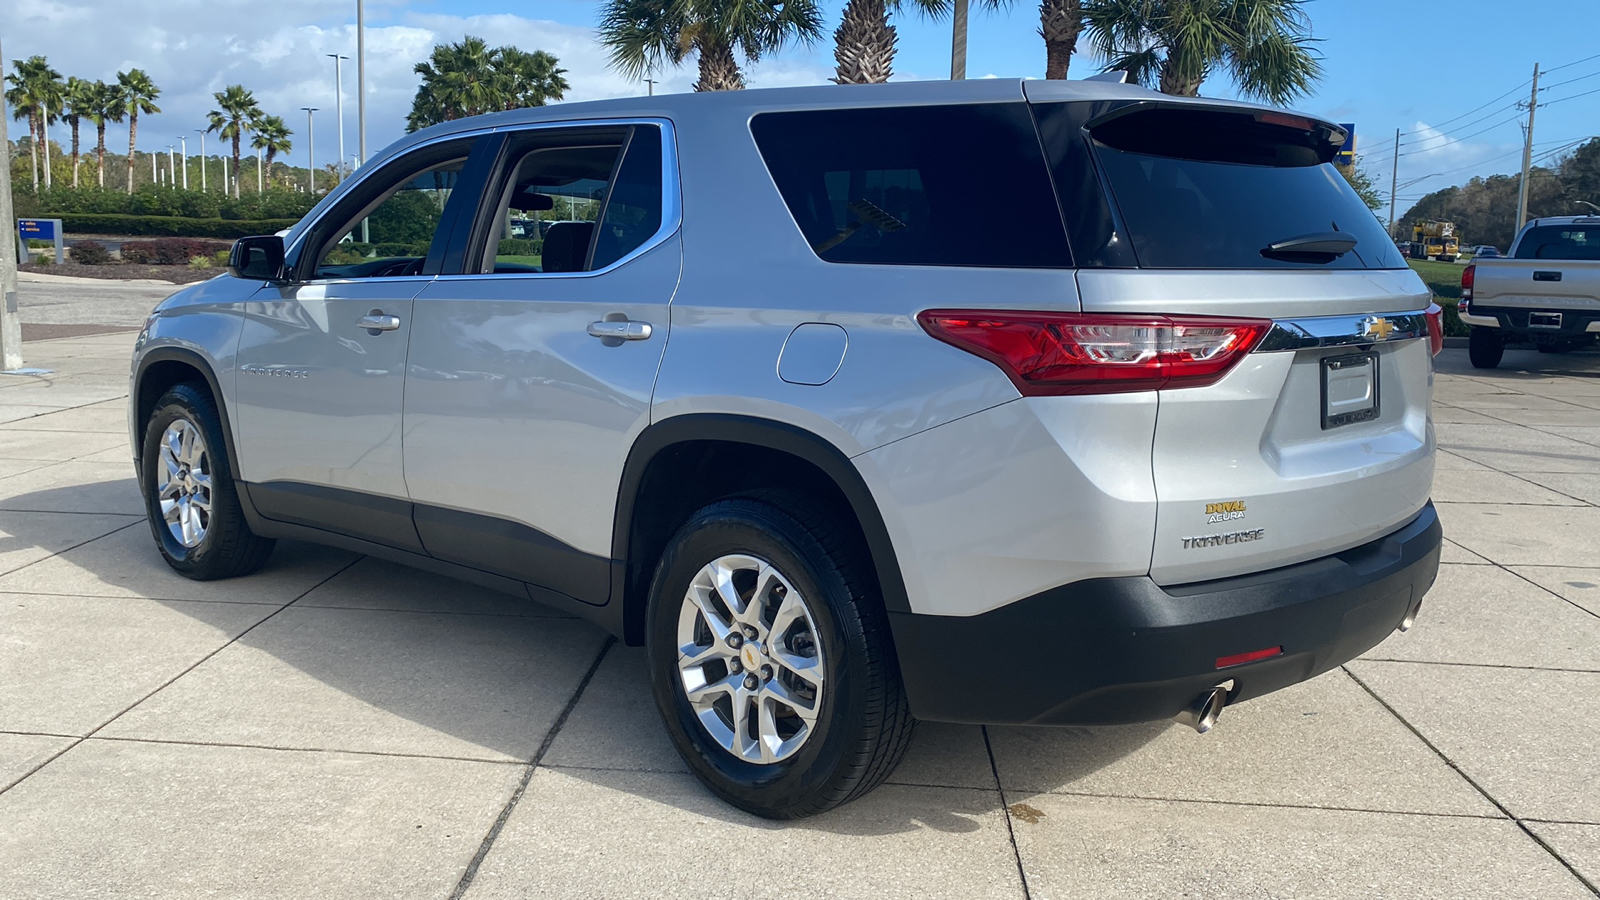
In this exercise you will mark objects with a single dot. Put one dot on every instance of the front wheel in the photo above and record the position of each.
(771, 658)
(189, 494)
(1485, 347)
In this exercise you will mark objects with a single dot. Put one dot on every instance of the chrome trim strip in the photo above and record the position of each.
(1343, 331)
(1480, 321)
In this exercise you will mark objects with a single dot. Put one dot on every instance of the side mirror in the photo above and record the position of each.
(257, 258)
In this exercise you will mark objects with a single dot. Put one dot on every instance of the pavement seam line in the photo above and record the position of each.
(1472, 665)
(1361, 810)
(1005, 810)
(499, 825)
(69, 549)
(1470, 780)
(239, 746)
(165, 684)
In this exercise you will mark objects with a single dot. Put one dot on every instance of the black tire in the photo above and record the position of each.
(1485, 347)
(863, 725)
(228, 548)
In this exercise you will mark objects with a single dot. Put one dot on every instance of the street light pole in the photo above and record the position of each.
(338, 101)
(202, 132)
(172, 167)
(361, 82)
(184, 141)
(311, 153)
(260, 187)
(45, 123)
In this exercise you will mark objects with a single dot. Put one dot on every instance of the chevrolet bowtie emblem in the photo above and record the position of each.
(1376, 327)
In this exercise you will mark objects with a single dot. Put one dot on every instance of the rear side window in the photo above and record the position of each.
(1201, 189)
(917, 186)
(1560, 242)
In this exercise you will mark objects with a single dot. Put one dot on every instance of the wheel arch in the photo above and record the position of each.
(667, 449)
(160, 369)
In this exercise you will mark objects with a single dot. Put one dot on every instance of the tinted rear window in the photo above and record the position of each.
(922, 186)
(1560, 242)
(1209, 190)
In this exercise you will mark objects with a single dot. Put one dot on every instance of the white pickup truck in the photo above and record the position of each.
(1546, 291)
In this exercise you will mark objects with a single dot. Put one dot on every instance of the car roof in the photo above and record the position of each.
(822, 96)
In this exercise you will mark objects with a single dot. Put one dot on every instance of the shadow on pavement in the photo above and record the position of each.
(350, 653)
(1524, 362)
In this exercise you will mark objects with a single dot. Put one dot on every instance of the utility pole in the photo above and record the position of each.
(1394, 178)
(958, 42)
(1527, 153)
(10, 325)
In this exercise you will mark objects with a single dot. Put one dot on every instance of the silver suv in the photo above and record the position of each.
(1041, 403)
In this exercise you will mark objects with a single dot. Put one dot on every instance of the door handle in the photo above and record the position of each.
(622, 330)
(377, 321)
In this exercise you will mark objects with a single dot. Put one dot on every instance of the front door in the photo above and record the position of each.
(531, 370)
(321, 368)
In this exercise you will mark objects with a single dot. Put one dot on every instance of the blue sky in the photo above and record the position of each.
(1388, 65)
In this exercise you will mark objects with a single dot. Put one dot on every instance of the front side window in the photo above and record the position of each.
(390, 235)
(917, 186)
(577, 202)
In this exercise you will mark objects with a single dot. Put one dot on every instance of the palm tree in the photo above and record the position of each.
(139, 94)
(36, 94)
(469, 78)
(1174, 44)
(457, 81)
(1060, 23)
(77, 103)
(528, 79)
(864, 43)
(272, 136)
(239, 111)
(641, 34)
(106, 106)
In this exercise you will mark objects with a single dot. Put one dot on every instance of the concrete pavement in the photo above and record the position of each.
(338, 726)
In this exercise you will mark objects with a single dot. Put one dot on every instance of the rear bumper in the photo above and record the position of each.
(1575, 323)
(1118, 650)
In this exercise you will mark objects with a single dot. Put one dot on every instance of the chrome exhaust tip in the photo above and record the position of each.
(1411, 618)
(1202, 713)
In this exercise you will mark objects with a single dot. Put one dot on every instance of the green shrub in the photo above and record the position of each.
(201, 262)
(152, 200)
(514, 247)
(168, 226)
(89, 253)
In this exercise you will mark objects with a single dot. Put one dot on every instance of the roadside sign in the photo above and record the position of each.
(40, 230)
(1347, 151)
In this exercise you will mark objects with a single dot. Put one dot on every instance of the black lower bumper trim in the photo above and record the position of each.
(1119, 650)
(1515, 320)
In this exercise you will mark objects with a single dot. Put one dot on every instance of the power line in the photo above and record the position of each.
(1469, 112)
(1567, 65)
(1571, 97)
(1571, 80)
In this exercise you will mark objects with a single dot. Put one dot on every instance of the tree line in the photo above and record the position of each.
(39, 95)
(1484, 210)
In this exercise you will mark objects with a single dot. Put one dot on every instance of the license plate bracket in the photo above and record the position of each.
(1542, 319)
(1349, 389)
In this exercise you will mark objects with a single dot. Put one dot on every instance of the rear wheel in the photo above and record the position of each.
(771, 660)
(1485, 347)
(190, 498)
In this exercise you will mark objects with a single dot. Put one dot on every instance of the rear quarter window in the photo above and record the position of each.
(917, 186)
(1207, 189)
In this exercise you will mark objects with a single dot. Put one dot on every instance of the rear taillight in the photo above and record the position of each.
(1435, 328)
(1071, 353)
(1468, 275)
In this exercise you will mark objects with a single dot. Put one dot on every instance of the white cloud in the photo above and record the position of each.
(193, 49)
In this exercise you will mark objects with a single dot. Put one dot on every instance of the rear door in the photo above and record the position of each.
(1320, 439)
(533, 360)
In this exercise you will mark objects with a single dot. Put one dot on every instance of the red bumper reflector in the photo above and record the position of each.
(1239, 659)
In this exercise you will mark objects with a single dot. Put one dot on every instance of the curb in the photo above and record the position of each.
(44, 278)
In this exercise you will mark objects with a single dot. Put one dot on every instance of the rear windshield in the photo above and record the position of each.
(918, 185)
(1210, 190)
(1560, 242)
